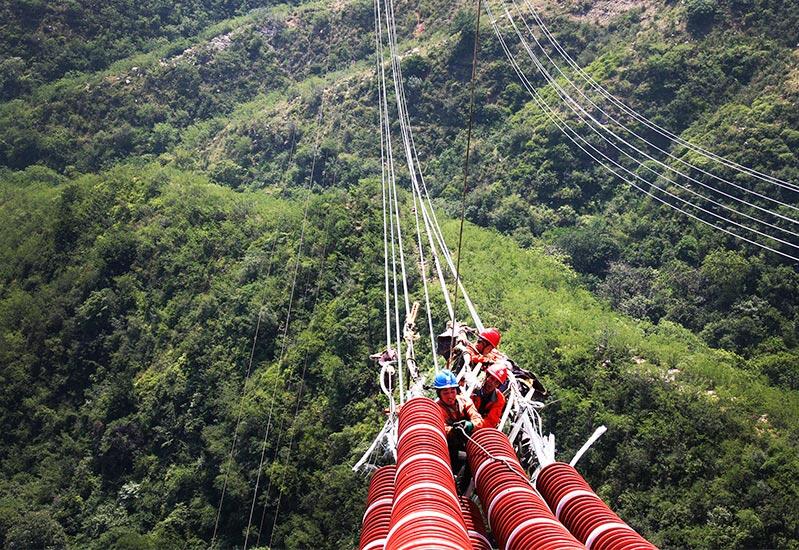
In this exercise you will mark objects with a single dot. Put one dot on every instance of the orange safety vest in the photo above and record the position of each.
(490, 407)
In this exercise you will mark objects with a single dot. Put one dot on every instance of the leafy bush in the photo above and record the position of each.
(36, 530)
(700, 13)
(781, 369)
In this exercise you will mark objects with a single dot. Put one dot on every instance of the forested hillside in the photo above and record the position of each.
(167, 169)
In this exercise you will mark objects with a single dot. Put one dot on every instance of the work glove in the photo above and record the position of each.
(465, 425)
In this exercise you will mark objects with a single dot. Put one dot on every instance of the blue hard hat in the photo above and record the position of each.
(445, 379)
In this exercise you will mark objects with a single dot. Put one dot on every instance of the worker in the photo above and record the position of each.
(460, 416)
(484, 352)
(487, 399)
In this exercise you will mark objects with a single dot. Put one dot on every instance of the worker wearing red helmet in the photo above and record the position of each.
(488, 400)
(484, 350)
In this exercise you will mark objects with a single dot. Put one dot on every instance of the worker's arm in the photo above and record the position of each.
(473, 414)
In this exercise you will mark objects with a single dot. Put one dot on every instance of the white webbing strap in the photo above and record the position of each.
(384, 434)
(570, 495)
(528, 523)
(591, 440)
(602, 528)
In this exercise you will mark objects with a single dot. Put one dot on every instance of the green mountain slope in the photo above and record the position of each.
(229, 103)
(152, 196)
(126, 342)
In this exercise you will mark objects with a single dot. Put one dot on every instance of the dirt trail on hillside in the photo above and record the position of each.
(597, 11)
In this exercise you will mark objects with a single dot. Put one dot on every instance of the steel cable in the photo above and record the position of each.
(582, 114)
(284, 343)
(563, 126)
(652, 125)
(661, 150)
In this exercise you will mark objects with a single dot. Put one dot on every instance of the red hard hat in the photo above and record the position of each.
(491, 335)
(498, 371)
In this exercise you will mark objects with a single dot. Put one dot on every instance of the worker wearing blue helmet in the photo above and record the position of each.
(460, 415)
(458, 410)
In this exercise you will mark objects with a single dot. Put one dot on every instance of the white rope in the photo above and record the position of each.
(437, 227)
(509, 406)
(439, 273)
(412, 169)
(410, 150)
(423, 268)
(451, 264)
(387, 174)
(293, 429)
(279, 362)
(398, 331)
(431, 224)
(284, 343)
(391, 191)
(249, 367)
(412, 158)
(383, 130)
(243, 395)
(396, 72)
(400, 247)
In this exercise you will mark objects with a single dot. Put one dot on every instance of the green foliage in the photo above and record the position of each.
(36, 530)
(726, 272)
(56, 39)
(782, 369)
(146, 355)
(149, 319)
(228, 173)
(591, 247)
(700, 13)
(129, 297)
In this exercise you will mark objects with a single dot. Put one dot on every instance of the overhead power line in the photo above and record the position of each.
(612, 139)
(607, 135)
(608, 163)
(649, 123)
(649, 143)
